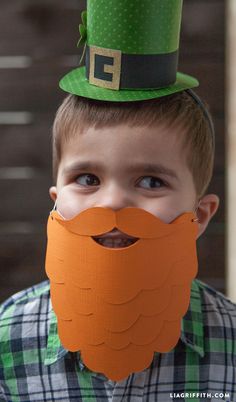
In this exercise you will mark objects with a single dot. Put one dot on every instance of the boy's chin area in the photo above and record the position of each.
(115, 239)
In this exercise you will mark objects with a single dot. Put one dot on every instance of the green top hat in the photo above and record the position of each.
(131, 51)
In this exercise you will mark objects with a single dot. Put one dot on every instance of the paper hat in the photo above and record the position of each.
(131, 51)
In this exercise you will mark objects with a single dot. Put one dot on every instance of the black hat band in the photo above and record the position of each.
(112, 69)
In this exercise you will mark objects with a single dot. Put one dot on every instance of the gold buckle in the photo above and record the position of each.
(114, 70)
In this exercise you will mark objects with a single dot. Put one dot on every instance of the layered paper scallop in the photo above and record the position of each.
(118, 306)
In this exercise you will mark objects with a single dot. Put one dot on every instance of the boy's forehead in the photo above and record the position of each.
(120, 135)
(131, 146)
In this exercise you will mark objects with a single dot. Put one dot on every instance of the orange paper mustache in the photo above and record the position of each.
(120, 305)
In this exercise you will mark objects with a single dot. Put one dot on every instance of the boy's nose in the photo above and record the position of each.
(115, 197)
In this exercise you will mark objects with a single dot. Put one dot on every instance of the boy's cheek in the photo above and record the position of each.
(69, 203)
(167, 209)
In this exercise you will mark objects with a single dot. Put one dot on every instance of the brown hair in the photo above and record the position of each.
(179, 109)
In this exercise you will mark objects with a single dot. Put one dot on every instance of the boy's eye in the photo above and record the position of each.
(88, 180)
(149, 182)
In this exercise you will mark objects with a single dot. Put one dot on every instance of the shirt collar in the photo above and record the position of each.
(192, 333)
(192, 329)
(54, 350)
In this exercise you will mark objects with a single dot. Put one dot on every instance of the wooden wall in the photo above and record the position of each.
(203, 55)
(37, 47)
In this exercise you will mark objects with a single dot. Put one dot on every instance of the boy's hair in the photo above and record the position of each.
(178, 110)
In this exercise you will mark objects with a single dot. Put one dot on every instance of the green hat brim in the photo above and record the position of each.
(75, 82)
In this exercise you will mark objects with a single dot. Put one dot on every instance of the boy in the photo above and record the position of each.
(153, 156)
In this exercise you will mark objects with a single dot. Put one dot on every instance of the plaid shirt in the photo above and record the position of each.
(35, 367)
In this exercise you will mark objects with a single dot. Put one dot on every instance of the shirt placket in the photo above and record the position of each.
(130, 389)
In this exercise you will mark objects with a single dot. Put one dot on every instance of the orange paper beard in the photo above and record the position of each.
(118, 306)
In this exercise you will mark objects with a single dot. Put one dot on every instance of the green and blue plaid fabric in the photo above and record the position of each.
(35, 367)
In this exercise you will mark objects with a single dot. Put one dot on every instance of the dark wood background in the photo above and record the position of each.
(37, 47)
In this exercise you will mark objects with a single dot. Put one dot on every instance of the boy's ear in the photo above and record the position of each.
(208, 206)
(53, 193)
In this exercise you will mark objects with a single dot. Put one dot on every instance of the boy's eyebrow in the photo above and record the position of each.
(135, 167)
(155, 168)
(81, 166)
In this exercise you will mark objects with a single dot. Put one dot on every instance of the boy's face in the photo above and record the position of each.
(123, 166)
